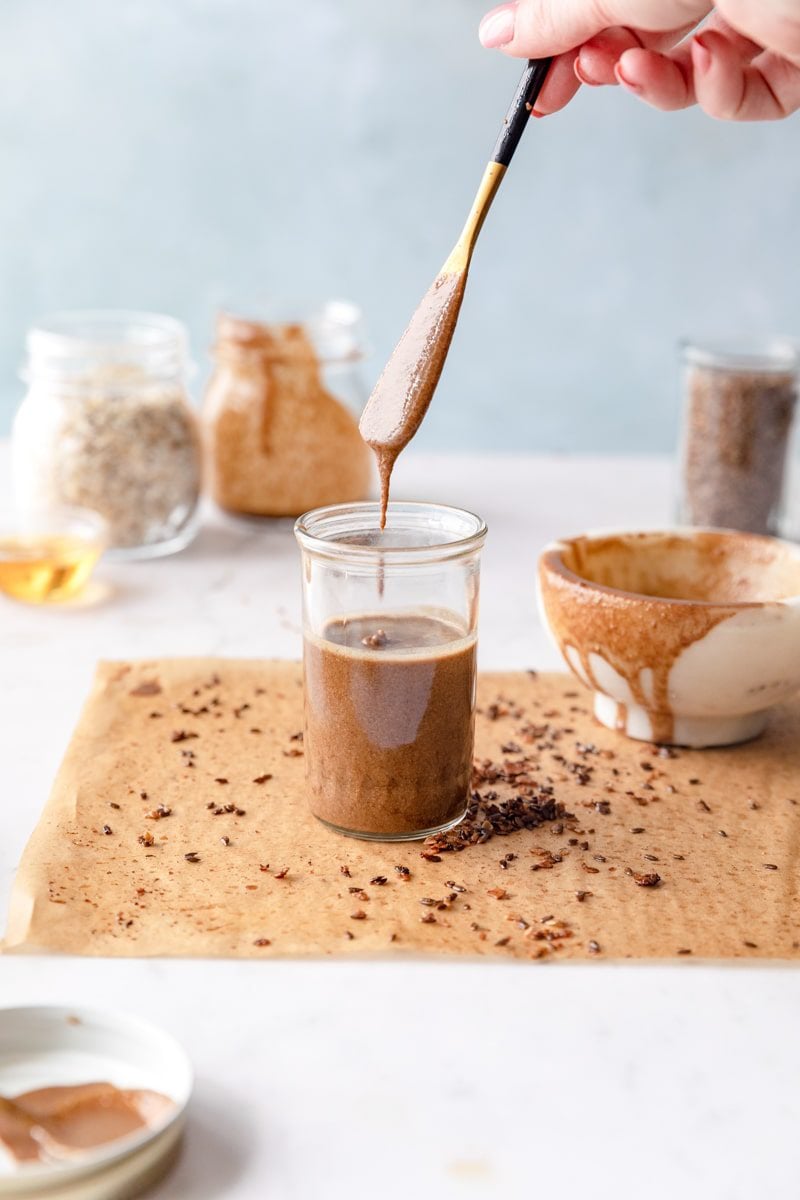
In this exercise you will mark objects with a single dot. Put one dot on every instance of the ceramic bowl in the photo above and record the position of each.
(686, 637)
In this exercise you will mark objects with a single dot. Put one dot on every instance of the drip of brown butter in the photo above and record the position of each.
(56, 1123)
(403, 393)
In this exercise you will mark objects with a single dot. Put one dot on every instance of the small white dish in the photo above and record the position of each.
(51, 1046)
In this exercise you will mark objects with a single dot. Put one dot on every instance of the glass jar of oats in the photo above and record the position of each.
(106, 425)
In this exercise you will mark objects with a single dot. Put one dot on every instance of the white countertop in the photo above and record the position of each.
(398, 1080)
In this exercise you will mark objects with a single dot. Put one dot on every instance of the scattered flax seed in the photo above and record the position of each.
(650, 857)
(593, 947)
(107, 830)
(358, 915)
(297, 737)
(146, 839)
(149, 687)
(751, 945)
(262, 778)
(263, 867)
(499, 893)
(379, 880)
(403, 872)
(649, 879)
(143, 795)
(590, 870)
(211, 804)
(345, 871)
(428, 919)
(262, 942)
(282, 873)
(429, 902)
(722, 833)
(637, 829)
(293, 753)
(111, 804)
(503, 941)
(581, 896)
(679, 857)
(226, 841)
(158, 814)
(192, 856)
(182, 735)
(684, 951)
(350, 936)
(770, 866)
(240, 812)
(426, 854)
(359, 892)
(603, 807)
(255, 730)
(221, 779)
(237, 712)
(454, 887)
(701, 804)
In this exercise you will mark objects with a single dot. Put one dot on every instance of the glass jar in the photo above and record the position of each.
(389, 663)
(281, 414)
(740, 402)
(106, 426)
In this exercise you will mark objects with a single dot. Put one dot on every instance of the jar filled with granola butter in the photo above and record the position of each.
(281, 414)
(106, 425)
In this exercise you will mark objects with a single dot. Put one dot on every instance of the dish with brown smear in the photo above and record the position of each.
(686, 637)
(53, 1124)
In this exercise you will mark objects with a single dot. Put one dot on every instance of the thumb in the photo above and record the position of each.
(537, 28)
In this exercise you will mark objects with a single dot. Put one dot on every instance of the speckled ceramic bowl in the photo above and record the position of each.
(687, 637)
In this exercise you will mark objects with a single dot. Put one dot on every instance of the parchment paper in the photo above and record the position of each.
(720, 828)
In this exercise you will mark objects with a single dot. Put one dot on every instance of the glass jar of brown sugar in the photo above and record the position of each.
(740, 403)
(281, 414)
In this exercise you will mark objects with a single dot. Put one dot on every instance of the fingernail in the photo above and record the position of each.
(538, 115)
(701, 54)
(584, 77)
(497, 27)
(629, 84)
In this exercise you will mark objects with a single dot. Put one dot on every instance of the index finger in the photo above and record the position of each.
(539, 28)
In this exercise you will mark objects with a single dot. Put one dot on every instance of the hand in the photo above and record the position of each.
(743, 65)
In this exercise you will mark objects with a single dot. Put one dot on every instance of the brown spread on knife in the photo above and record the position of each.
(405, 389)
(55, 1123)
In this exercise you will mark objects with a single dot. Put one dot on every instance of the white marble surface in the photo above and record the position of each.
(453, 1081)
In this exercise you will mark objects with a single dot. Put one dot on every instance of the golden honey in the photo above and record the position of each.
(42, 569)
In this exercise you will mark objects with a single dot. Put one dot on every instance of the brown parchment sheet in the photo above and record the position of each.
(218, 745)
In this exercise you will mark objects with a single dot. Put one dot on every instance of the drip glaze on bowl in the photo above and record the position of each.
(685, 636)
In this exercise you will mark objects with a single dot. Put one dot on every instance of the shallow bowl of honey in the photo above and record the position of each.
(686, 636)
(47, 556)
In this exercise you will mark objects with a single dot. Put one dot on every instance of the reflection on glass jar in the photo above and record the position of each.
(281, 414)
(106, 426)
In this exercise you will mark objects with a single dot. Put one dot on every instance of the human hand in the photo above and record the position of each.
(743, 65)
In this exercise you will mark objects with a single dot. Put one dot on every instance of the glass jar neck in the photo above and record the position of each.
(81, 350)
(333, 336)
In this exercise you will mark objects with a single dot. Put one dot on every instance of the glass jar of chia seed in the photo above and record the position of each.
(740, 400)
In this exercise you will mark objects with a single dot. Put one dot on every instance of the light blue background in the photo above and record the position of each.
(179, 155)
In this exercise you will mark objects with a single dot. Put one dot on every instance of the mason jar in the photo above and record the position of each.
(739, 407)
(281, 413)
(390, 622)
(106, 425)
